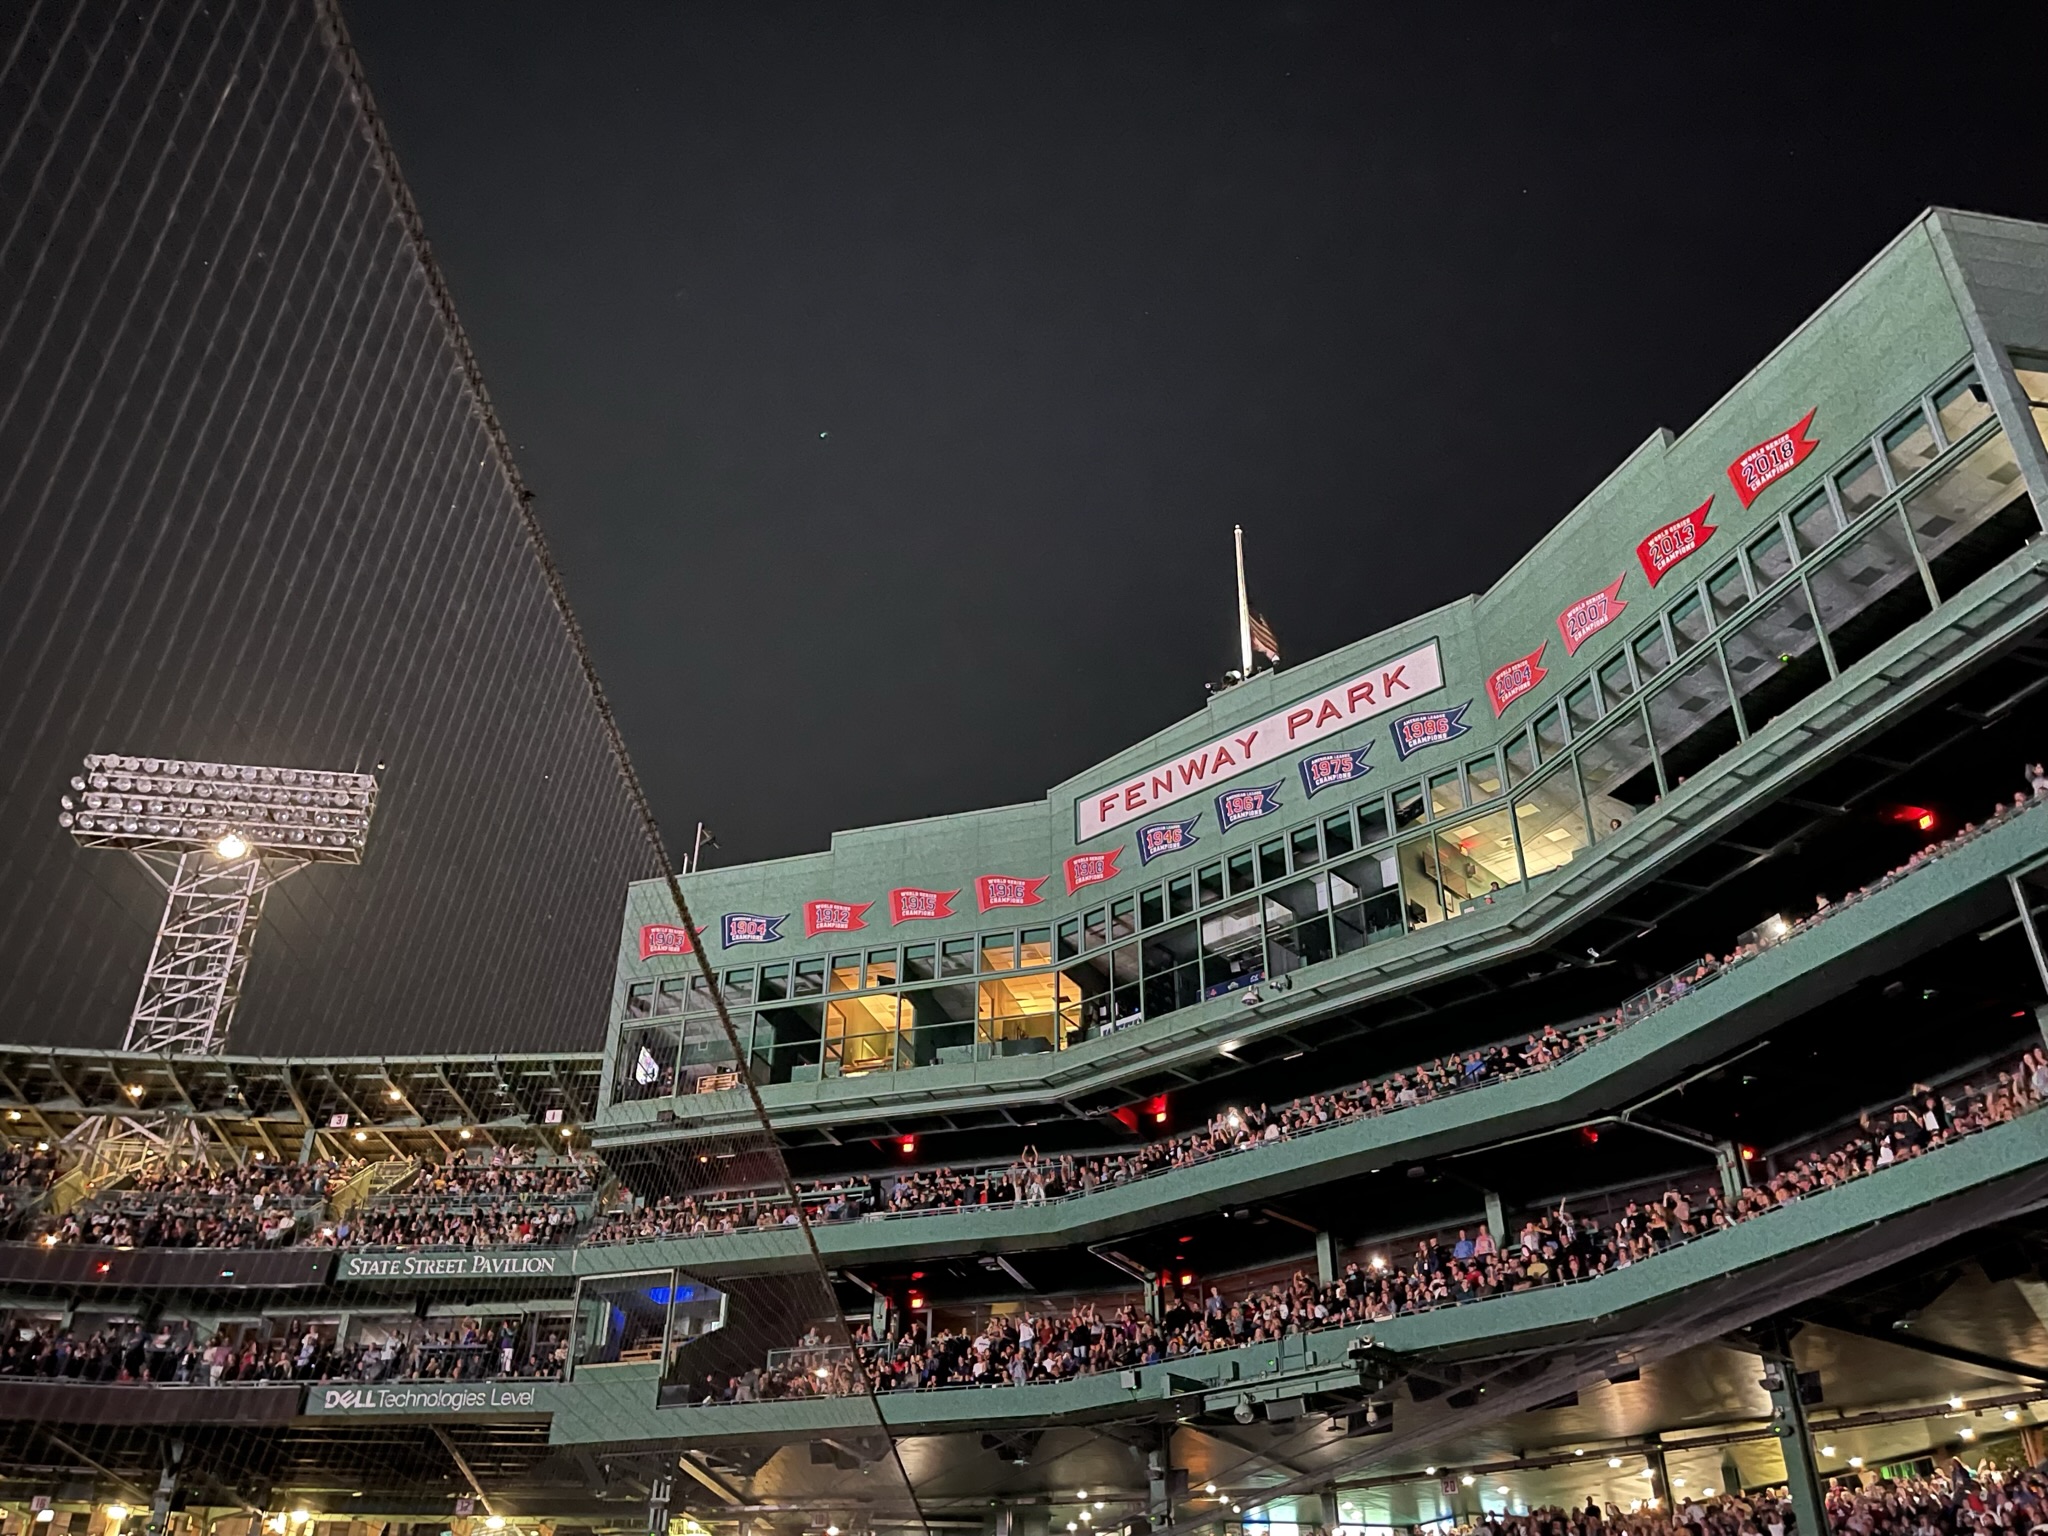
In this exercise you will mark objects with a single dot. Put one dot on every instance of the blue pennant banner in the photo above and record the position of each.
(1166, 837)
(1327, 768)
(1414, 732)
(1236, 805)
(752, 928)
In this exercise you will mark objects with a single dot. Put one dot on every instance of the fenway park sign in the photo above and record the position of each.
(1390, 685)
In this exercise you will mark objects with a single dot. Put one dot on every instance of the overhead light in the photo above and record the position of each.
(1468, 1479)
(465, 1133)
(1429, 1471)
(45, 1516)
(1082, 1495)
(494, 1522)
(1706, 1493)
(2011, 1414)
(117, 1512)
(1855, 1461)
(231, 846)
(301, 1516)
(1098, 1503)
(1614, 1461)
(135, 1090)
(362, 1135)
(14, 1114)
(1502, 1489)
(1678, 1482)
(1956, 1403)
(1967, 1433)
(394, 1095)
(1580, 1451)
(1827, 1450)
(1210, 1489)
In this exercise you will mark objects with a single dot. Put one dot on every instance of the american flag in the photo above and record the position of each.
(1264, 642)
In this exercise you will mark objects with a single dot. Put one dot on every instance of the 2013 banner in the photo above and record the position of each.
(1674, 542)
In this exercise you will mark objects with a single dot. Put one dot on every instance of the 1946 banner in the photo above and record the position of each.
(1359, 697)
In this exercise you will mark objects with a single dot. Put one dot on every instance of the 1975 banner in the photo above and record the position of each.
(1390, 685)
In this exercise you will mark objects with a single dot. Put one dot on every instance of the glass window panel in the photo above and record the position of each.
(860, 1033)
(1768, 557)
(1094, 929)
(1727, 591)
(1233, 949)
(846, 973)
(1365, 901)
(1521, 760)
(1273, 859)
(1549, 734)
(1961, 406)
(1020, 1014)
(1034, 947)
(999, 951)
(639, 999)
(1243, 872)
(1476, 860)
(1869, 591)
(668, 998)
(2033, 376)
(1861, 486)
(787, 1039)
(1689, 623)
(1407, 806)
(1446, 793)
(956, 957)
(1581, 709)
(1372, 822)
(1337, 834)
(1298, 925)
(1972, 515)
(1170, 969)
(646, 1064)
(1303, 848)
(1209, 884)
(705, 1045)
(1152, 906)
(1814, 522)
(1123, 917)
(1483, 774)
(1775, 659)
(1180, 895)
(1910, 447)
(1421, 899)
(881, 968)
(1651, 655)
(810, 977)
(1691, 719)
(1069, 939)
(774, 982)
(739, 988)
(1616, 681)
(918, 963)
(1619, 772)
(1551, 822)
(937, 1024)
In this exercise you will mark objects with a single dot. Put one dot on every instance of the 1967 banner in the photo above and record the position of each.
(1372, 692)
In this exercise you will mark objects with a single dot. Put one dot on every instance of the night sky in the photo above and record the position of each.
(890, 376)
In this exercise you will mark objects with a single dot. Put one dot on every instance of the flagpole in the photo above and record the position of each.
(1244, 608)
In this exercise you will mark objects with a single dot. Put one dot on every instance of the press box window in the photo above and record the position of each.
(1814, 522)
(639, 999)
(1861, 486)
(999, 951)
(1727, 591)
(1152, 906)
(917, 962)
(2032, 373)
(1689, 623)
(1123, 918)
(1960, 407)
(1209, 880)
(956, 957)
(810, 978)
(1180, 895)
(1407, 806)
(1243, 874)
(1910, 447)
(1337, 836)
(1094, 929)
(1372, 822)
(1581, 708)
(1615, 679)
(1768, 557)
(1034, 945)
(774, 982)
(1483, 774)
(1302, 848)
(1273, 859)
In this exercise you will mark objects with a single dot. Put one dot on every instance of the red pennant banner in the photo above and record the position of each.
(1091, 869)
(833, 917)
(1771, 460)
(1516, 678)
(1674, 541)
(908, 904)
(1007, 891)
(1589, 615)
(664, 939)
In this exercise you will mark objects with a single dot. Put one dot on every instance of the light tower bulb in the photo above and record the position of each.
(231, 846)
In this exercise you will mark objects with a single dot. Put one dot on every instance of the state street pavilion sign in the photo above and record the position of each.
(1388, 685)
(453, 1263)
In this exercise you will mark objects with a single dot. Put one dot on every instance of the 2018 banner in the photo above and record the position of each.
(1771, 460)
(833, 917)
(1091, 868)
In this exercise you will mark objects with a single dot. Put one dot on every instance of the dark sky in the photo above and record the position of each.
(891, 375)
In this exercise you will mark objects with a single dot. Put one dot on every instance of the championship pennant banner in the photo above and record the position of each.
(1327, 768)
(1430, 728)
(1163, 837)
(833, 917)
(1510, 682)
(1091, 869)
(1373, 692)
(1234, 806)
(992, 891)
(1674, 542)
(664, 939)
(1589, 615)
(750, 928)
(908, 904)
(1771, 460)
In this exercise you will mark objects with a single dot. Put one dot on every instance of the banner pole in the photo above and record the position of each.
(1244, 608)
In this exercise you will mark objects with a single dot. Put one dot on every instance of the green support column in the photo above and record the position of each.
(1326, 1258)
(1660, 1475)
(1788, 1423)
(1496, 1220)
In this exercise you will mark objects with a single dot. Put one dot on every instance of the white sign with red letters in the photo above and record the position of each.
(1390, 685)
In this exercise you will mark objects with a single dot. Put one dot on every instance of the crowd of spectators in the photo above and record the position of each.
(422, 1222)
(1551, 1247)
(177, 1353)
(131, 1221)
(28, 1165)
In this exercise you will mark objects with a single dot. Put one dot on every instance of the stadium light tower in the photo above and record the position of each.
(216, 837)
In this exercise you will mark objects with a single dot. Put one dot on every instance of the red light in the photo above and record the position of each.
(1749, 1154)
(1591, 1136)
(917, 1274)
(1187, 1279)
(102, 1267)
(1188, 1239)
(908, 1144)
(1926, 822)
(1159, 1117)
(917, 1303)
